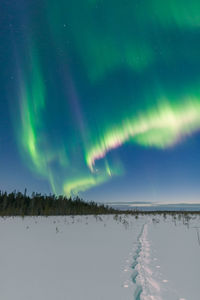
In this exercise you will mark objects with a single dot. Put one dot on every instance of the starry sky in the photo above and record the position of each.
(101, 98)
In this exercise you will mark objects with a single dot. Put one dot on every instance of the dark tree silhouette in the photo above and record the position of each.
(18, 204)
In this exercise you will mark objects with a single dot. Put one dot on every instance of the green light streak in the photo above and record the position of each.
(31, 107)
(160, 127)
(93, 42)
(77, 185)
(105, 43)
(180, 13)
(35, 149)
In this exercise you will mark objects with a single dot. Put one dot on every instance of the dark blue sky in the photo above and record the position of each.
(101, 99)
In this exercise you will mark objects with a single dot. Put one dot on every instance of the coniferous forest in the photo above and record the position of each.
(21, 204)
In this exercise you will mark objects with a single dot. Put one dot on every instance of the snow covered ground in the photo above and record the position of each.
(99, 258)
(168, 264)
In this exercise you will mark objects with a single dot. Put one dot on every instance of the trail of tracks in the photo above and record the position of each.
(135, 274)
(146, 286)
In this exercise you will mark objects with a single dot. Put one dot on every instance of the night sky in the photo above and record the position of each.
(101, 98)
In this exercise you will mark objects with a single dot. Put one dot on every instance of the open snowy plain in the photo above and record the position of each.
(100, 258)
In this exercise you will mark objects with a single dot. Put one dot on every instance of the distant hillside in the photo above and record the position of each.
(18, 204)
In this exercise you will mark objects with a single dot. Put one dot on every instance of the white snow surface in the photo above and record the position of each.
(169, 261)
(99, 258)
(65, 258)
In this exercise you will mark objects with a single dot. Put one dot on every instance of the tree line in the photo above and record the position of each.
(21, 204)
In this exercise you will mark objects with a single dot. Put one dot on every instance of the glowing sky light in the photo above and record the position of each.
(95, 76)
(160, 127)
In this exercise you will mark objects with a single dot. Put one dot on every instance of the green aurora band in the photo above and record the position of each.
(160, 127)
(105, 38)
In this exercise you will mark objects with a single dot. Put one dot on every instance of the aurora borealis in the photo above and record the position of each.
(86, 81)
